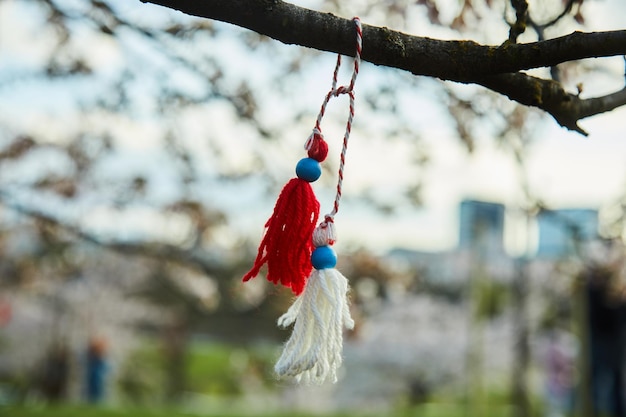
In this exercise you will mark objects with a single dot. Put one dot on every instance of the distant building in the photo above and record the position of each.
(481, 243)
(559, 230)
(481, 227)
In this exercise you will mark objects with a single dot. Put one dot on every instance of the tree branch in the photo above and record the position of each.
(161, 251)
(461, 61)
(549, 95)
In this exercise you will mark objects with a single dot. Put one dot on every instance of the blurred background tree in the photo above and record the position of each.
(141, 148)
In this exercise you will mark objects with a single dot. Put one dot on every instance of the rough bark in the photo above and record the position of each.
(495, 67)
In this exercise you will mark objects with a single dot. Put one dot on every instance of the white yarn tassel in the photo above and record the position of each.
(313, 352)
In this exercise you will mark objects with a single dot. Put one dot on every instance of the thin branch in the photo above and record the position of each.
(160, 251)
(540, 29)
(568, 8)
(521, 19)
(550, 96)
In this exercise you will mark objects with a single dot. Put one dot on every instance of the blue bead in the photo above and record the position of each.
(308, 169)
(323, 257)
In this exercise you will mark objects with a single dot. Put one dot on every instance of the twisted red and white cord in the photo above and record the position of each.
(335, 92)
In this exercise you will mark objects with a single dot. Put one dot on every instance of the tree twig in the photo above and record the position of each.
(521, 19)
(156, 250)
(566, 108)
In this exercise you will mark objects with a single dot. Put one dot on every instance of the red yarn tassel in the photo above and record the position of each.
(287, 245)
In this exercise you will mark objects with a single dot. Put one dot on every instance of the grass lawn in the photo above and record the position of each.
(89, 411)
(82, 411)
(79, 411)
(425, 410)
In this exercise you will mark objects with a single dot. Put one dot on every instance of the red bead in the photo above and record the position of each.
(319, 148)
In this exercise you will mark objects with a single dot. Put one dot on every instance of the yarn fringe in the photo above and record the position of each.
(312, 354)
(286, 246)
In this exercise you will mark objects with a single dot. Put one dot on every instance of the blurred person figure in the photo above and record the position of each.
(607, 331)
(54, 378)
(96, 370)
(560, 361)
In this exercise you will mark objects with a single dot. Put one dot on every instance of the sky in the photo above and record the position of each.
(564, 169)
